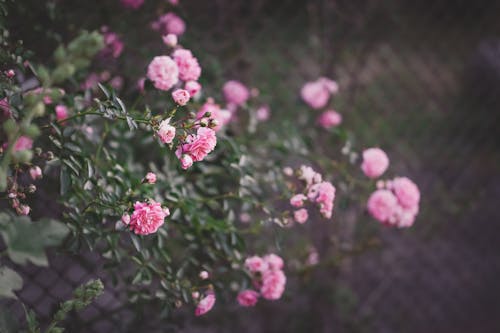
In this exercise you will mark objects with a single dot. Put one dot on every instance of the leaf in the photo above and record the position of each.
(104, 90)
(65, 180)
(8, 322)
(72, 147)
(9, 281)
(26, 240)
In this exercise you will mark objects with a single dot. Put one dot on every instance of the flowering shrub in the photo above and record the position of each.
(170, 181)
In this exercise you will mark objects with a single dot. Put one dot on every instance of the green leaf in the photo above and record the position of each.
(9, 281)
(26, 240)
(8, 323)
(65, 180)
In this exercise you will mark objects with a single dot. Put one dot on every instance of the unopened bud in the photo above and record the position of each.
(203, 122)
(207, 114)
(31, 188)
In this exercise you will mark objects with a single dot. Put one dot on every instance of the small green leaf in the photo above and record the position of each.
(9, 281)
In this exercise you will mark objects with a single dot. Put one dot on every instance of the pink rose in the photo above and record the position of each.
(193, 87)
(273, 284)
(248, 297)
(375, 162)
(329, 119)
(315, 94)
(263, 113)
(235, 92)
(203, 275)
(205, 305)
(113, 45)
(274, 262)
(298, 200)
(61, 112)
(133, 4)
(186, 161)
(382, 205)
(163, 72)
(406, 191)
(166, 132)
(181, 96)
(301, 215)
(189, 69)
(308, 175)
(23, 143)
(170, 24)
(147, 217)
(150, 177)
(10, 73)
(255, 264)
(323, 194)
(35, 172)
(170, 40)
(198, 146)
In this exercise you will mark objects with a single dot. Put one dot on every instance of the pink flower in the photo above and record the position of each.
(133, 4)
(375, 162)
(297, 200)
(329, 84)
(235, 92)
(248, 297)
(166, 132)
(301, 215)
(193, 87)
(10, 73)
(329, 119)
(406, 191)
(309, 175)
(35, 172)
(150, 177)
(198, 146)
(189, 69)
(273, 284)
(170, 24)
(24, 210)
(323, 194)
(125, 219)
(5, 107)
(256, 264)
(205, 305)
(221, 116)
(181, 96)
(174, 2)
(140, 84)
(61, 112)
(315, 94)
(186, 161)
(263, 113)
(170, 40)
(163, 72)
(147, 217)
(23, 143)
(204, 275)
(274, 262)
(116, 82)
(382, 205)
(113, 45)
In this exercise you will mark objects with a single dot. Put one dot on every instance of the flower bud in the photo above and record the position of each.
(50, 155)
(203, 275)
(203, 122)
(31, 188)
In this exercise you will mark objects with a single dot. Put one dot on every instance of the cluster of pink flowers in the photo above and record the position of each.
(375, 162)
(196, 147)
(268, 278)
(133, 4)
(395, 202)
(146, 218)
(316, 191)
(113, 45)
(317, 93)
(169, 23)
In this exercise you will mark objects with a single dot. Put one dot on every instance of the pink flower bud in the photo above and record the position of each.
(186, 161)
(150, 178)
(170, 40)
(35, 172)
(10, 73)
(203, 275)
(181, 96)
(61, 112)
(126, 219)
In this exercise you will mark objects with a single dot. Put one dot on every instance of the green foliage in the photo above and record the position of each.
(26, 240)
(9, 281)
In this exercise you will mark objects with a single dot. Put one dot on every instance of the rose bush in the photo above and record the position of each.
(171, 181)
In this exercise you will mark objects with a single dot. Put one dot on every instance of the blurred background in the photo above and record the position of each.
(420, 79)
